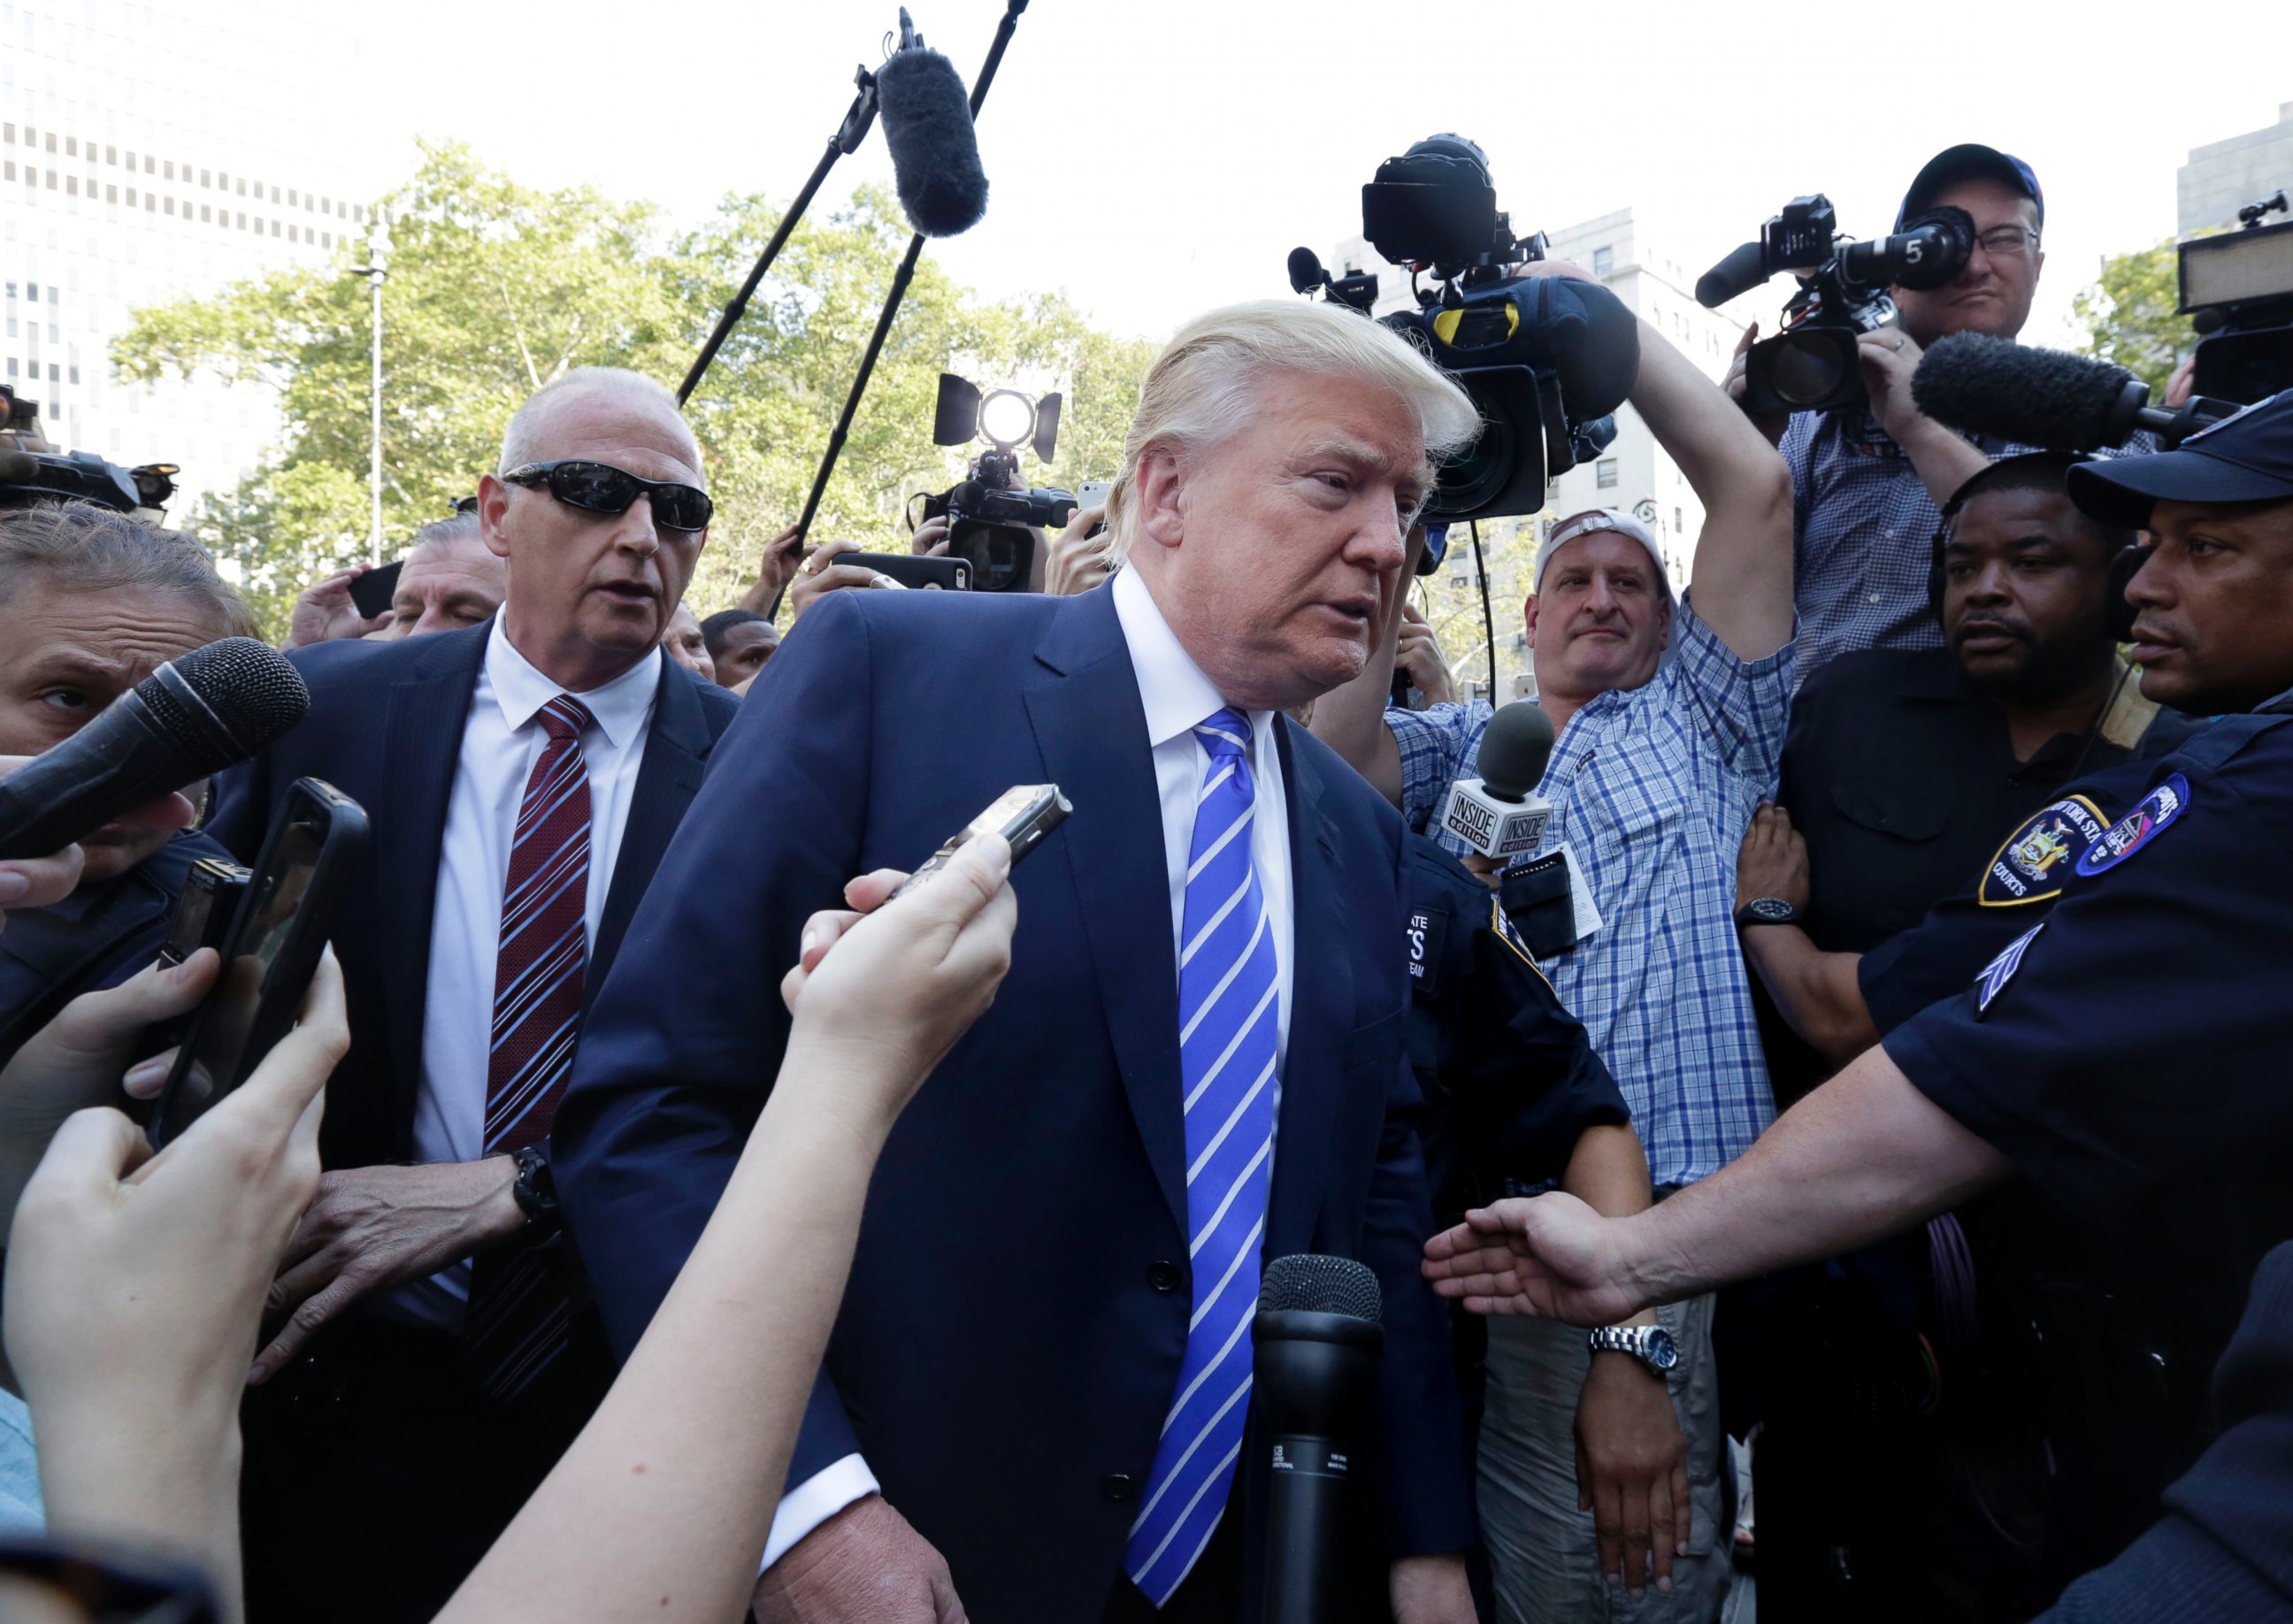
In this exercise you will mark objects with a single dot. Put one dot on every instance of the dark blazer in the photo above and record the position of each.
(1010, 1340)
(386, 728)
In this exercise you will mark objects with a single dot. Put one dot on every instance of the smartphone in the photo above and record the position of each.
(205, 909)
(1023, 815)
(276, 936)
(371, 593)
(943, 574)
(1093, 493)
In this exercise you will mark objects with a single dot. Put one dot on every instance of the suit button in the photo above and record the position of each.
(1163, 1276)
(1119, 1486)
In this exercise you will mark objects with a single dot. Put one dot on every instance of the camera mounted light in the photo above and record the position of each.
(1005, 418)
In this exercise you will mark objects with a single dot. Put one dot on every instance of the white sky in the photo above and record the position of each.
(1156, 158)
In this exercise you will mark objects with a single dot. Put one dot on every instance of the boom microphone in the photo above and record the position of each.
(928, 128)
(1744, 269)
(1315, 1343)
(2044, 398)
(1500, 813)
(214, 707)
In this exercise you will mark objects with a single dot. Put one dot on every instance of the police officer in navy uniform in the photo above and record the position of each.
(2126, 1051)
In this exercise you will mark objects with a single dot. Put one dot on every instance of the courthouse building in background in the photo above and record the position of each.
(154, 150)
(2222, 176)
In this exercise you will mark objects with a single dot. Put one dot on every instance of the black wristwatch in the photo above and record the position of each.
(536, 1194)
(1766, 910)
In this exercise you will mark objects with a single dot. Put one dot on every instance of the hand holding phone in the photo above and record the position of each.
(1023, 815)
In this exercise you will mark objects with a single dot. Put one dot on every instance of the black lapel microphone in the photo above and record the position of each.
(193, 716)
(928, 129)
(2046, 397)
(1314, 1344)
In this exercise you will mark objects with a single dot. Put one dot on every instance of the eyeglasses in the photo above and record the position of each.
(2008, 241)
(600, 488)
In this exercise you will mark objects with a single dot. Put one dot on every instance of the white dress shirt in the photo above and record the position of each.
(1178, 698)
(500, 742)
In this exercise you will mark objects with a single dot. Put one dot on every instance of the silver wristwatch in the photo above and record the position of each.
(1652, 1344)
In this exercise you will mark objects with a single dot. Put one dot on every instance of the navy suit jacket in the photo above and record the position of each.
(1010, 1340)
(386, 728)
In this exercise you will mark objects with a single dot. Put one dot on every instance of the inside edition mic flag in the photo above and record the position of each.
(928, 128)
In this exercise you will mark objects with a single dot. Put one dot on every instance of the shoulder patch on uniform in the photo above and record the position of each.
(2151, 817)
(1501, 922)
(2032, 862)
(1422, 939)
(2001, 970)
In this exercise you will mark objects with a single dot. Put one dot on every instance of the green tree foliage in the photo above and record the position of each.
(495, 288)
(2129, 316)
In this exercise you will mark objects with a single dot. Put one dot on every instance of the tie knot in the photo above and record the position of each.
(563, 718)
(1224, 734)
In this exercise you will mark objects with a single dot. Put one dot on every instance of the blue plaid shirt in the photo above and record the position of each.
(1863, 530)
(1652, 788)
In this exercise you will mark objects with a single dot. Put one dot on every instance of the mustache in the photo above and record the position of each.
(2020, 631)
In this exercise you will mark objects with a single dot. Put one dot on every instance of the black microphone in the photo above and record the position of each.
(1314, 1346)
(193, 716)
(1500, 813)
(1306, 272)
(2044, 398)
(1741, 271)
(928, 128)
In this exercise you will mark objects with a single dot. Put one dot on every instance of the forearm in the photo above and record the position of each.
(1944, 460)
(670, 1490)
(1816, 992)
(1608, 1172)
(1351, 718)
(165, 1482)
(1864, 1156)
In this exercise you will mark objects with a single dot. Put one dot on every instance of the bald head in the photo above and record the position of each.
(561, 409)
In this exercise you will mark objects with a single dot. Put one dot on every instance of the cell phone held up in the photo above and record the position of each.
(286, 912)
(371, 593)
(1021, 815)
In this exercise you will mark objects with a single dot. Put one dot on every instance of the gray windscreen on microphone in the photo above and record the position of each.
(1514, 748)
(221, 703)
(2043, 398)
(1307, 1283)
(935, 150)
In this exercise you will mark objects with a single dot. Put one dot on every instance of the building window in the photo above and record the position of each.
(31, 290)
(274, 227)
(131, 196)
(1679, 523)
(52, 372)
(12, 366)
(242, 222)
(75, 374)
(1604, 259)
(111, 155)
(71, 185)
(171, 169)
(1604, 474)
(171, 205)
(12, 168)
(205, 214)
(148, 161)
(71, 146)
(11, 130)
(52, 180)
(290, 198)
(110, 193)
(326, 239)
(204, 179)
(52, 141)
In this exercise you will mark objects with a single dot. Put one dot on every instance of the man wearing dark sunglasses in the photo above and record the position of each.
(523, 778)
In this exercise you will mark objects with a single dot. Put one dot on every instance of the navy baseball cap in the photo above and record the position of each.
(1969, 161)
(2246, 458)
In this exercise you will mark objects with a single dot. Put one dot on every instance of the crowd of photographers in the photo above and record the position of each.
(1837, 1095)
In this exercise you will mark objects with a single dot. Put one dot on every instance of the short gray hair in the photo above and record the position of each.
(521, 440)
(1201, 388)
(82, 547)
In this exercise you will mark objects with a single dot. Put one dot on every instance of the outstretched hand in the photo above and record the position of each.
(1548, 1255)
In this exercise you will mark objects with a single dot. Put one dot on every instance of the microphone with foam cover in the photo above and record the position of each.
(928, 128)
(17, 467)
(1500, 813)
(1741, 271)
(1306, 272)
(1314, 1346)
(2044, 398)
(211, 709)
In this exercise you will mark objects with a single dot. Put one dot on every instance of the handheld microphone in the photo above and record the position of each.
(2045, 397)
(927, 115)
(1500, 813)
(193, 716)
(1315, 1343)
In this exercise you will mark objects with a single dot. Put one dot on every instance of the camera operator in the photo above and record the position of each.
(2070, 1059)
(91, 603)
(739, 642)
(1867, 480)
(1670, 720)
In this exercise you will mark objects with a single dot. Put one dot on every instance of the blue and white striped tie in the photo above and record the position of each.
(1228, 1048)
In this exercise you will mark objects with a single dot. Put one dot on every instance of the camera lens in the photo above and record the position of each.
(1809, 370)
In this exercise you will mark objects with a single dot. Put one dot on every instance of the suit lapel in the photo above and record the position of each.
(422, 742)
(1092, 731)
(1321, 1006)
(677, 748)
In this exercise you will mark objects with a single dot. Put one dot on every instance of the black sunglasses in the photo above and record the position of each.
(600, 488)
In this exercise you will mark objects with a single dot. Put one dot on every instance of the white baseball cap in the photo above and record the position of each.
(1600, 519)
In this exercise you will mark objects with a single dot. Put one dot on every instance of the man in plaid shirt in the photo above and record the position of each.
(1671, 718)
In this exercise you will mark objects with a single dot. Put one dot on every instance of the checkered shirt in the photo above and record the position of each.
(1863, 530)
(1652, 788)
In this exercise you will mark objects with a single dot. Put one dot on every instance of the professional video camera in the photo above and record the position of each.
(2238, 287)
(1546, 360)
(32, 470)
(1811, 366)
(987, 521)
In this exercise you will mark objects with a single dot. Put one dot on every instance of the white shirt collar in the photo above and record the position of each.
(620, 707)
(1177, 696)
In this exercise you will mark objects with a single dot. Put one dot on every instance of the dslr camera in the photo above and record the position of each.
(33, 471)
(1811, 365)
(988, 522)
(2237, 287)
(1546, 360)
